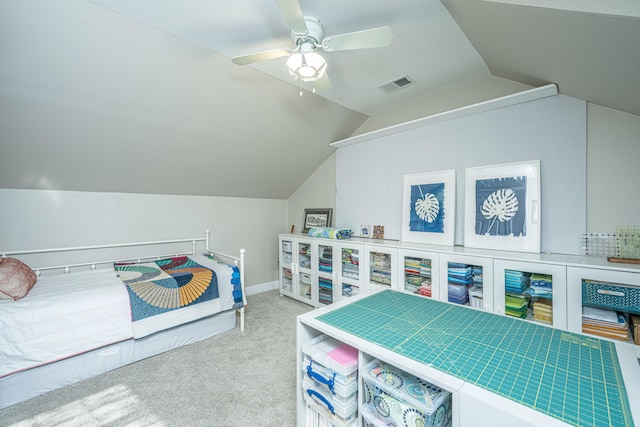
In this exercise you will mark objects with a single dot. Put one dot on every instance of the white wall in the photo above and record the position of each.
(551, 129)
(318, 191)
(35, 219)
(613, 169)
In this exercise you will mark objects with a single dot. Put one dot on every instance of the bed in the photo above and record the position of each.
(85, 318)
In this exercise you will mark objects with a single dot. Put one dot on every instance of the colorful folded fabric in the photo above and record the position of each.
(330, 233)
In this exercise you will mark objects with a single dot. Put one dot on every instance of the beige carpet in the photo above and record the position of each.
(235, 379)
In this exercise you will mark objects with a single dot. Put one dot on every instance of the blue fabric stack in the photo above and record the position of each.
(541, 285)
(516, 282)
(460, 277)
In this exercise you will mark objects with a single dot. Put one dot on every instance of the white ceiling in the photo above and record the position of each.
(588, 47)
(106, 95)
(427, 45)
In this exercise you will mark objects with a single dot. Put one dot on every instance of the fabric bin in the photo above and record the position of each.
(400, 399)
(611, 296)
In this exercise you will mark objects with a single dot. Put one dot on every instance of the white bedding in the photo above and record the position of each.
(69, 314)
(63, 315)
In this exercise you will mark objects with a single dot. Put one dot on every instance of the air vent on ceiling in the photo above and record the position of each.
(396, 84)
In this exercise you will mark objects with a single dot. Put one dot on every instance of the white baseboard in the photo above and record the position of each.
(261, 287)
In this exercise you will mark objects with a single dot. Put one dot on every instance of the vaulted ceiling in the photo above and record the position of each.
(141, 95)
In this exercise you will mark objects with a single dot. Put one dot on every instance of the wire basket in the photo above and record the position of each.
(624, 243)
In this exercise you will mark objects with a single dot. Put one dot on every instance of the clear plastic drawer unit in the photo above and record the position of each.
(330, 380)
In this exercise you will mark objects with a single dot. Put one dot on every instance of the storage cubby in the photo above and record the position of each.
(350, 272)
(534, 291)
(395, 397)
(419, 273)
(380, 266)
(467, 280)
(286, 265)
(329, 382)
(603, 302)
(325, 274)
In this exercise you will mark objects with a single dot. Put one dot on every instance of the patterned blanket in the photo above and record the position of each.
(168, 292)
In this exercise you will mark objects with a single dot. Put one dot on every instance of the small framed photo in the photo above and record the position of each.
(366, 231)
(428, 207)
(502, 207)
(316, 218)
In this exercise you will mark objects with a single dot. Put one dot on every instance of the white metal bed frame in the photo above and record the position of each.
(33, 382)
(238, 261)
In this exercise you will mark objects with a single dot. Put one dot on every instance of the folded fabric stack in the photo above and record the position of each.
(425, 289)
(605, 323)
(325, 262)
(325, 291)
(349, 290)
(460, 274)
(350, 264)
(541, 285)
(516, 306)
(460, 277)
(516, 282)
(417, 273)
(330, 233)
(543, 310)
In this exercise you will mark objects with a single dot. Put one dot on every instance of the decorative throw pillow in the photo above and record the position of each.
(16, 278)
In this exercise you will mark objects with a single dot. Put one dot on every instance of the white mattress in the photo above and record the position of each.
(63, 315)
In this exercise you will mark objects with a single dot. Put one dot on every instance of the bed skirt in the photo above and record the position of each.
(34, 382)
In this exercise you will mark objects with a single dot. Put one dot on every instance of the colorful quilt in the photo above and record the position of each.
(330, 233)
(172, 291)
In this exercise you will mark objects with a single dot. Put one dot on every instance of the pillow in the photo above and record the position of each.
(16, 278)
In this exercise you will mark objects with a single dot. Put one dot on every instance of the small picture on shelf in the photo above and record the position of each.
(365, 231)
(378, 232)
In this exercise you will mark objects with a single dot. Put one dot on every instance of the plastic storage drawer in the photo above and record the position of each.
(334, 360)
(398, 398)
(345, 408)
(328, 379)
(611, 296)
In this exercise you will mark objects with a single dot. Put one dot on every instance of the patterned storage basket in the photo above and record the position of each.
(614, 297)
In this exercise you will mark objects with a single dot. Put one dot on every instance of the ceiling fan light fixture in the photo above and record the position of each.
(307, 67)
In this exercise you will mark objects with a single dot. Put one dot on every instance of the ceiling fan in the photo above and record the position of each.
(304, 63)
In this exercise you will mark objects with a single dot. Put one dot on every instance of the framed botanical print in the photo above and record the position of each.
(428, 207)
(502, 207)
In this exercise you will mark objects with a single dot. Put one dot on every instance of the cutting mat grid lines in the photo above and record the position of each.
(568, 376)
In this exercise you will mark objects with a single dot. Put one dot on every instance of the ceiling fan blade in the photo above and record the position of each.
(374, 37)
(292, 13)
(260, 56)
(323, 83)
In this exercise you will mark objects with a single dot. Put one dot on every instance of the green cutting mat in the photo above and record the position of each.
(574, 378)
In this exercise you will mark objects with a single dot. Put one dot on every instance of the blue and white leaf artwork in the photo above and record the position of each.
(501, 206)
(427, 208)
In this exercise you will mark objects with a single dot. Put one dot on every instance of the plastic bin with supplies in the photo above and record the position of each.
(330, 379)
(401, 399)
(332, 364)
(340, 411)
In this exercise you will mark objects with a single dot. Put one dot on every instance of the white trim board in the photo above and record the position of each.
(492, 104)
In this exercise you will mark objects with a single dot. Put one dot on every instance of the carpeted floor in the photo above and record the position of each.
(242, 379)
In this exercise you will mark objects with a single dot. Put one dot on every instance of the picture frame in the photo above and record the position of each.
(366, 231)
(316, 218)
(502, 207)
(428, 207)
